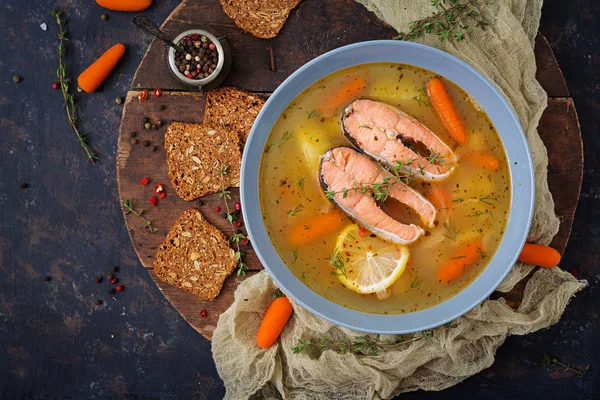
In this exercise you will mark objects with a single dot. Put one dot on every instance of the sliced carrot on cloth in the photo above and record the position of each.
(443, 104)
(274, 321)
(95, 74)
(540, 255)
(313, 228)
(466, 256)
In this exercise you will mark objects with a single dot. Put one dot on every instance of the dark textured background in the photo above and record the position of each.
(55, 343)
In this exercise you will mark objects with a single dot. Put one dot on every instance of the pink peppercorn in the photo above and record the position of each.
(245, 241)
(211, 46)
(217, 208)
(237, 224)
(120, 288)
(153, 200)
(238, 206)
(55, 85)
(114, 281)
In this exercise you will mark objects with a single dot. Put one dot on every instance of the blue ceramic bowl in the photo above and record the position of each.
(504, 119)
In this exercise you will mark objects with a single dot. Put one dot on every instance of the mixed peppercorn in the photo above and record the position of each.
(201, 57)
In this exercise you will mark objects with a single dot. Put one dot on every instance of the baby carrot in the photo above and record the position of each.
(309, 230)
(440, 197)
(276, 317)
(125, 5)
(349, 91)
(443, 104)
(485, 160)
(537, 254)
(95, 74)
(466, 256)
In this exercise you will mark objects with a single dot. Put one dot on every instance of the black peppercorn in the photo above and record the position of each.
(154, 127)
(154, 148)
(224, 215)
(110, 277)
(238, 231)
(133, 134)
(134, 141)
(146, 143)
(146, 120)
(24, 185)
(99, 302)
(159, 123)
(98, 279)
(162, 107)
(119, 100)
(200, 203)
(115, 269)
(112, 291)
(48, 278)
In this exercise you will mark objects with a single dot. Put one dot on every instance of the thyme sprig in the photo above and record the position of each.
(65, 85)
(451, 19)
(548, 362)
(422, 98)
(129, 209)
(362, 345)
(235, 237)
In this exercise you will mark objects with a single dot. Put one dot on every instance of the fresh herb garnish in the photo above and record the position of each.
(477, 213)
(336, 261)
(488, 200)
(365, 126)
(307, 227)
(295, 253)
(129, 209)
(300, 183)
(548, 362)
(459, 200)
(422, 98)
(416, 283)
(236, 237)
(65, 86)
(314, 114)
(361, 345)
(481, 253)
(287, 135)
(434, 158)
(295, 210)
(459, 257)
(451, 231)
(452, 18)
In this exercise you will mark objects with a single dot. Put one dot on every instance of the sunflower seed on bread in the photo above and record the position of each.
(195, 256)
(261, 18)
(232, 108)
(197, 156)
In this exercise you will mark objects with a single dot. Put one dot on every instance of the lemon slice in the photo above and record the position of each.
(368, 264)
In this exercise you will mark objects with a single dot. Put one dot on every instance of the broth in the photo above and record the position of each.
(291, 194)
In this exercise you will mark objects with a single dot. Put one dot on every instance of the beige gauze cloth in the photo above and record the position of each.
(503, 52)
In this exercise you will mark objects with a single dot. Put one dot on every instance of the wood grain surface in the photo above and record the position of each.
(558, 127)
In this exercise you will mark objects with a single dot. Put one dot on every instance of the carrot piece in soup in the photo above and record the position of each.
(312, 229)
(466, 256)
(537, 254)
(485, 160)
(443, 104)
(349, 91)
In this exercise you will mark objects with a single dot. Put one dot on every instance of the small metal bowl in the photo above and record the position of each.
(223, 64)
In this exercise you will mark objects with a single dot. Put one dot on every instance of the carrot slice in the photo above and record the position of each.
(343, 96)
(314, 228)
(485, 160)
(443, 104)
(274, 321)
(440, 197)
(537, 254)
(95, 74)
(466, 256)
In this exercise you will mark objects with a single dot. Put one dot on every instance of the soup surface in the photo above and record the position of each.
(472, 202)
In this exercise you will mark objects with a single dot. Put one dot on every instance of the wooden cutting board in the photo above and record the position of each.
(312, 29)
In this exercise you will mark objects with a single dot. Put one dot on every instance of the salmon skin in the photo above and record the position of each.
(381, 131)
(345, 168)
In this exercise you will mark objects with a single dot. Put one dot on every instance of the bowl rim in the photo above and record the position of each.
(517, 152)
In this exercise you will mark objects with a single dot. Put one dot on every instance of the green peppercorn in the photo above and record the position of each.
(16, 78)
(134, 141)
(119, 100)
(103, 17)
(147, 125)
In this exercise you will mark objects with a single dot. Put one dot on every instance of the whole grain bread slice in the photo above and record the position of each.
(195, 256)
(197, 156)
(261, 18)
(232, 108)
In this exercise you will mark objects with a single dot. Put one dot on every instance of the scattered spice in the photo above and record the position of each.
(146, 143)
(238, 206)
(203, 313)
(129, 209)
(272, 59)
(154, 148)
(237, 224)
(115, 269)
(162, 195)
(55, 85)
(120, 288)
(200, 60)
(159, 188)
(144, 181)
(65, 85)
(134, 141)
(217, 208)
(143, 95)
(99, 302)
(362, 232)
(159, 123)
(574, 272)
(245, 241)
(119, 100)
(224, 215)
(114, 281)
(16, 78)
(24, 185)
(162, 107)
(48, 278)
(157, 92)
(98, 279)
(133, 134)
(110, 277)
(548, 362)
(147, 125)
(112, 291)
(103, 17)
(153, 200)
(154, 127)
(146, 120)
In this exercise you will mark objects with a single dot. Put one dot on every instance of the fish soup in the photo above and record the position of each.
(371, 202)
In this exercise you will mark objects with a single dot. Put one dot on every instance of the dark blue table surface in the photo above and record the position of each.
(56, 343)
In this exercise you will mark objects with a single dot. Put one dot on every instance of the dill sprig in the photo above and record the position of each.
(295, 210)
(422, 98)
(451, 231)
(416, 282)
(362, 345)
(235, 237)
(451, 19)
(129, 209)
(314, 114)
(336, 261)
(65, 85)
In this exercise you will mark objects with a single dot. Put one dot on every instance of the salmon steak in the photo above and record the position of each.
(397, 140)
(348, 176)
